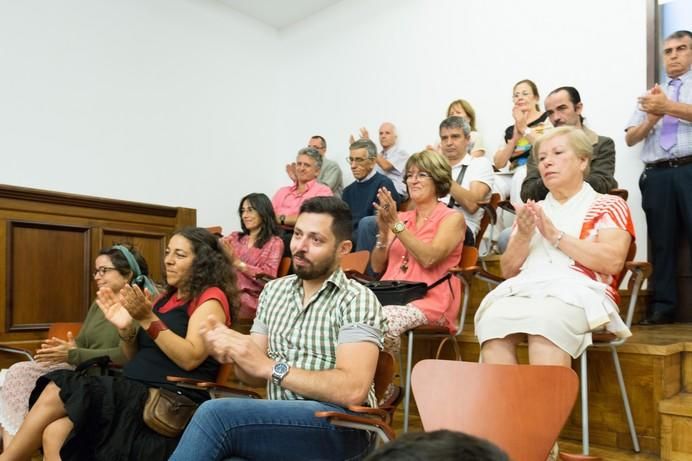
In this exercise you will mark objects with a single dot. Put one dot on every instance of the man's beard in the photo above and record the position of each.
(313, 271)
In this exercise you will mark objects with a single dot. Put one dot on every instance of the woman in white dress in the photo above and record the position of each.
(561, 265)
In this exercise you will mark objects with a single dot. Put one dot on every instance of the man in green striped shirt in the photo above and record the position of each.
(315, 342)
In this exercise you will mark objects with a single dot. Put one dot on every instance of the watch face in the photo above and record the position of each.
(399, 227)
(280, 368)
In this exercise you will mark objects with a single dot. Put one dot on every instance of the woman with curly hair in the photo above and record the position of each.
(78, 416)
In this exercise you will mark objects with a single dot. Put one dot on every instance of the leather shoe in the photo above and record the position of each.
(657, 318)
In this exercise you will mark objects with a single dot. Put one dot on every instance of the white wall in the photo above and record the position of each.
(138, 100)
(187, 103)
(361, 62)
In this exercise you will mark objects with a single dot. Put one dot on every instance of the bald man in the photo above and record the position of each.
(392, 160)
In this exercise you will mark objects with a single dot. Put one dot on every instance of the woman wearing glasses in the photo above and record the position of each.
(256, 249)
(420, 245)
(96, 338)
(100, 418)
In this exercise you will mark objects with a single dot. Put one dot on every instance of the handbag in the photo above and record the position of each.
(167, 412)
(400, 292)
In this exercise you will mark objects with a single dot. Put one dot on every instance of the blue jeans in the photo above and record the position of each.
(270, 430)
(367, 233)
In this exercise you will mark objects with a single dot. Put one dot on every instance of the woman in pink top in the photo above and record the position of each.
(257, 249)
(420, 245)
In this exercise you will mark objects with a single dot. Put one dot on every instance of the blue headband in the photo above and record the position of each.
(138, 279)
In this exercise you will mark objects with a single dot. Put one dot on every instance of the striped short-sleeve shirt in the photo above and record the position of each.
(307, 336)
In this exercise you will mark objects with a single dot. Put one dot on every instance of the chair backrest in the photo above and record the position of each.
(355, 262)
(284, 267)
(384, 373)
(216, 230)
(60, 329)
(489, 216)
(520, 408)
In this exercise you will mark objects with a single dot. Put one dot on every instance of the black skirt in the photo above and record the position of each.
(107, 415)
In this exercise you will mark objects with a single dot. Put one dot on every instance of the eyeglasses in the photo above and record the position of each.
(247, 210)
(419, 176)
(102, 271)
(357, 160)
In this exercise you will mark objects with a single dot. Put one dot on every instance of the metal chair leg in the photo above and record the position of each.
(407, 389)
(625, 399)
(584, 405)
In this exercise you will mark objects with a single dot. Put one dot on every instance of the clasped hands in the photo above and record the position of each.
(530, 217)
(130, 303)
(55, 350)
(654, 102)
(229, 346)
(385, 208)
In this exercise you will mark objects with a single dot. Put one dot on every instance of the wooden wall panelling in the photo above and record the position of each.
(151, 245)
(48, 242)
(46, 280)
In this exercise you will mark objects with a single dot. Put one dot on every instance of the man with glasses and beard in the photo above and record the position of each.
(315, 343)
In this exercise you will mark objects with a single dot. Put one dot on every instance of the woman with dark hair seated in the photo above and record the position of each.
(100, 417)
(420, 245)
(257, 249)
(97, 337)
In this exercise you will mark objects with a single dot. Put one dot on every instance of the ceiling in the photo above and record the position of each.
(279, 13)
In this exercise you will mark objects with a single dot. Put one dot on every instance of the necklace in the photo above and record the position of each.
(404, 263)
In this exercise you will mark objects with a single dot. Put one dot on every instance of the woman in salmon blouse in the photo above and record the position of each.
(420, 245)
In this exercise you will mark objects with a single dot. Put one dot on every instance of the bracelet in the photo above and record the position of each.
(156, 327)
(379, 244)
(559, 237)
(129, 336)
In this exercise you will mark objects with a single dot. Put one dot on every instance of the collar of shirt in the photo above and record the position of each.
(369, 176)
(684, 78)
(337, 279)
(308, 186)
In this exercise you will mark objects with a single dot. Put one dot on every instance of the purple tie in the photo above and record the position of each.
(669, 128)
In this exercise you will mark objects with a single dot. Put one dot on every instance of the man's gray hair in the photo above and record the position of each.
(678, 34)
(367, 145)
(313, 153)
(456, 122)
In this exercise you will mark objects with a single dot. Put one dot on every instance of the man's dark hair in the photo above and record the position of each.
(440, 445)
(574, 97)
(342, 224)
(322, 140)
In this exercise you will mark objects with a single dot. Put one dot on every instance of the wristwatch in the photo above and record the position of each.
(282, 219)
(279, 372)
(398, 228)
(527, 131)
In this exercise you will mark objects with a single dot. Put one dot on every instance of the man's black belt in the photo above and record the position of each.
(670, 163)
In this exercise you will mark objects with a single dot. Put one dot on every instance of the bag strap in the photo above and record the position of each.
(436, 283)
(460, 178)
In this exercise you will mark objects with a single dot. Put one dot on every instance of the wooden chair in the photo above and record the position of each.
(639, 271)
(377, 420)
(355, 262)
(489, 216)
(58, 330)
(284, 268)
(465, 270)
(520, 408)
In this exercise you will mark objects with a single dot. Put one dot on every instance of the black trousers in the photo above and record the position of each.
(667, 202)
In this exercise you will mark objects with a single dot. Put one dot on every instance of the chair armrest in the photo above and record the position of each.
(488, 277)
(467, 273)
(507, 206)
(17, 350)
(221, 388)
(489, 210)
(262, 277)
(642, 266)
(336, 417)
(368, 411)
